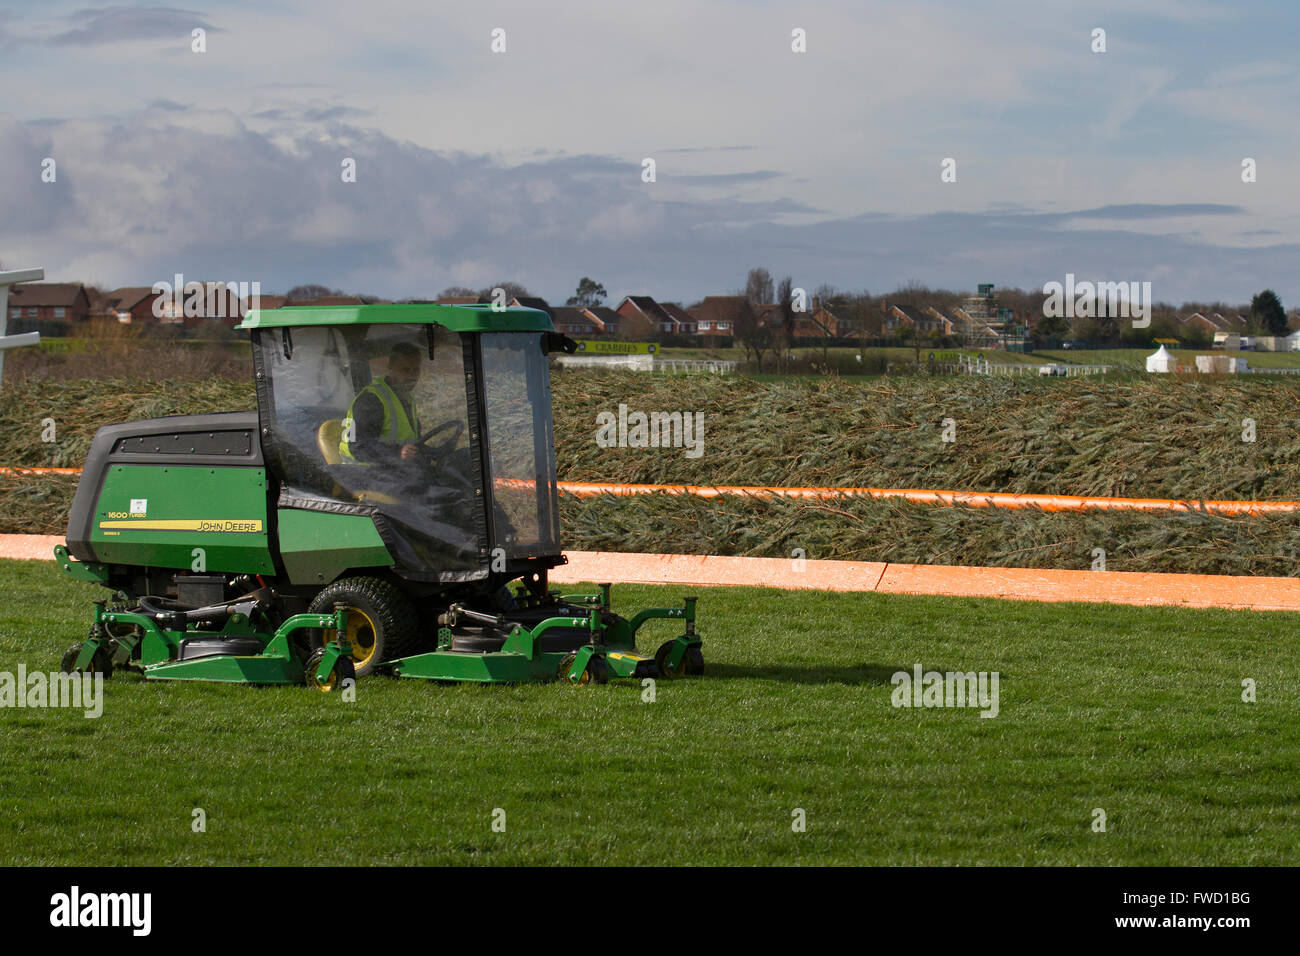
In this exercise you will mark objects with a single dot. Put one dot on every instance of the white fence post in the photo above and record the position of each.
(14, 341)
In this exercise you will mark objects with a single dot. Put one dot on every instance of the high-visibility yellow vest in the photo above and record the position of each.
(399, 429)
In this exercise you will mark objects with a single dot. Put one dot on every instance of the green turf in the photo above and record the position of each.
(1135, 359)
(1135, 711)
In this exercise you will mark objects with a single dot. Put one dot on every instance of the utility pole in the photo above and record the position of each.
(14, 341)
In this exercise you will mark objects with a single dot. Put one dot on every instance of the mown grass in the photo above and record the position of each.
(1134, 711)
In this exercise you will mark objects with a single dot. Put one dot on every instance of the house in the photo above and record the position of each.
(328, 300)
(720, 314)
(574, 321)
(35, 303)
(131, 304)
(816, 323)
(218, 302)
(1198, 322)
(533, 302)
(947, 326)
(606, 320)
(901, 319)
(666, 319)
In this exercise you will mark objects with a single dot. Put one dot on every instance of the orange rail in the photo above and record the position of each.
(40, 471)
(971, 499)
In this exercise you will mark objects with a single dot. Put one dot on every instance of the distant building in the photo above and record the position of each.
(721, 314)
(666, 319)
(131, 304)
(39, 305)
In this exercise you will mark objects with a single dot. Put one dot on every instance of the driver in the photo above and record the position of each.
(385, 425)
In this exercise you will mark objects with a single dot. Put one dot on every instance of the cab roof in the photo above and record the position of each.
(457, 318)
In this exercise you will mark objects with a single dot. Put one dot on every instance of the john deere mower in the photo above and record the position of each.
(391, 505)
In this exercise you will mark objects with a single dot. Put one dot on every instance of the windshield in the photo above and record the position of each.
(517, 396)
(375, 419)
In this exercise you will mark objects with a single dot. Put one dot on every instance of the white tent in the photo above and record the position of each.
(1162, 361)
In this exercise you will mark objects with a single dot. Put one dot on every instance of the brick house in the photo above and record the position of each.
(32, 304)
(573, 321)
(720, 314)
(902, 318)
(131, 304)
(607, 321)
(665, 319)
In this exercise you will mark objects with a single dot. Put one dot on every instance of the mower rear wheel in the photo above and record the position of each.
(381, 620)
(101, 663)
(691, 664)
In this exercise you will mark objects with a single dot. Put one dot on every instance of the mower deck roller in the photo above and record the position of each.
(391, 505)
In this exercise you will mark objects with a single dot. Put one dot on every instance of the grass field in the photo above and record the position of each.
(1134, 711)
(1134, 360)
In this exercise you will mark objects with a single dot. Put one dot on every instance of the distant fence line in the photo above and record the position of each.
(977, 365)
(648, 363)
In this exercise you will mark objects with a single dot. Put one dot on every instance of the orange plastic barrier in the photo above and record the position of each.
(40, 471)
(971, 499)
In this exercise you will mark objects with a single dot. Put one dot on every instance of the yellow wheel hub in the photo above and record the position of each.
(360, 636)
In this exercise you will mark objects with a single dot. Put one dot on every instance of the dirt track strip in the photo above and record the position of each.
(1019, 584)
(971, 499)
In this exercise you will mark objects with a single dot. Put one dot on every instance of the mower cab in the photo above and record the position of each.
(398, 477)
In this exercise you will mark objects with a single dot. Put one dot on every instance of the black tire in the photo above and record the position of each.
(101, 663)
(309, 673)
(389, 629)
(691, 664)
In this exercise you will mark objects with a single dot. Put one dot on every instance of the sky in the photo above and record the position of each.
(475, 166)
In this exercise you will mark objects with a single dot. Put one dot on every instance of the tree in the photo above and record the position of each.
(457, 292)
(784, 297)
(758, 287)
(513, 290)
(589, 293)
(1266, 311)
(753, 335)
(309, 291)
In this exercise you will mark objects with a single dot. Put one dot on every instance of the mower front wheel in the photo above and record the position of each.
(101, 663)
(691, 664)
(381, 621)
(596, 670)
(343, 670)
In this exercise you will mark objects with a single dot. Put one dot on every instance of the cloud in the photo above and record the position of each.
(209, 196)
(120, 24)
(1157, 211)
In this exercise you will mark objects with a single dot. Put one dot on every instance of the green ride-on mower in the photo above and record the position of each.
(390, 506)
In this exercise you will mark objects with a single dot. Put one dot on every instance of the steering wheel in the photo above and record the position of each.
(447, 445)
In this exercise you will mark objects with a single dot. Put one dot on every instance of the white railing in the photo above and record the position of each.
(979, 365)
(648, 363)
(716, 366)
